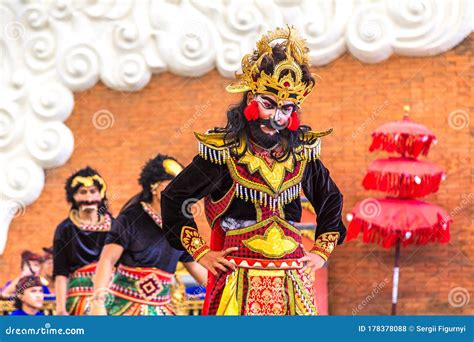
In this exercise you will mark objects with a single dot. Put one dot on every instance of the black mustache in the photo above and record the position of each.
(87, 203)
(270, 123)
(262, 138)
(267, 123)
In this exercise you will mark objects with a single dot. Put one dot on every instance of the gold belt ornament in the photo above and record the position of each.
(273, 244)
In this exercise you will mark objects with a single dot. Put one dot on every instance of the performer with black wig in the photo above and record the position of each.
(78, 241)
(147, 262)
(251, 174)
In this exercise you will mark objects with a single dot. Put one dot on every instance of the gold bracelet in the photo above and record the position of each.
(193, 242)
(325, 244)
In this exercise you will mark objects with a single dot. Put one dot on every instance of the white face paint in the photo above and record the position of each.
(88, 194)
(278, 116)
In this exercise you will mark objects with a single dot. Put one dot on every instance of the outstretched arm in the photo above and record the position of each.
(198, 272)
(108, 258)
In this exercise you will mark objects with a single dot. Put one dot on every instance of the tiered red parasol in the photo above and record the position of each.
(404, 177)
(404, 137)
(401, 220)
(388, 221)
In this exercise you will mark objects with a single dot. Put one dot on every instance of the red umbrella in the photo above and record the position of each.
(388, 220)
(404, 177)
(404, 137)
(393, 222)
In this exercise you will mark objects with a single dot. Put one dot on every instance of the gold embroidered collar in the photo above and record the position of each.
(103, 225)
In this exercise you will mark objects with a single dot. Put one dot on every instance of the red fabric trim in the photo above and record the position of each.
(387, 238)
(404, 144)
(402, 185)
(217, 243)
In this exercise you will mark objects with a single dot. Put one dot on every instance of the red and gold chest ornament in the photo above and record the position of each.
(285, 83)
(255, 180)
(268, 186)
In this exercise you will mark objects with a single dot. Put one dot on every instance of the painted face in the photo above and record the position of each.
(87, 197)
(273, 118)
(33, 269)
(33, 297)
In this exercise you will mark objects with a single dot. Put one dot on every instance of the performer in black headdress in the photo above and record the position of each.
(78, 241)
(147, 262)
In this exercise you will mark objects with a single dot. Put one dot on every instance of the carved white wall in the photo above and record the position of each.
(49, 49)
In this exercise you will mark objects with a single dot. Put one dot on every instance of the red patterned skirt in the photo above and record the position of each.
(268, 279)
(80, 289)
(140, 291)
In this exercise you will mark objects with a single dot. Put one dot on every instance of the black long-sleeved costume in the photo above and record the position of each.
(203, 177)
(143, 241)
(74, 247)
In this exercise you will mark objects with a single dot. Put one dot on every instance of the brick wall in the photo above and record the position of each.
(353, 98)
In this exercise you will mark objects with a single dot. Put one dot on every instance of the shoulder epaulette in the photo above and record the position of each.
(312, 149)
(212, 146)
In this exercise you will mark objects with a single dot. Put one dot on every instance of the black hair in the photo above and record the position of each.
(17, 303)
(152, 172)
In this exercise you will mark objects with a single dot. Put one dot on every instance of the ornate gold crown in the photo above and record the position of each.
(288, 87)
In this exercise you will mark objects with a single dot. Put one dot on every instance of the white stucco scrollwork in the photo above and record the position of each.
(51, 49)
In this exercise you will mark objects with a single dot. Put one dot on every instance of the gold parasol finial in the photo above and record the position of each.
(406, 109)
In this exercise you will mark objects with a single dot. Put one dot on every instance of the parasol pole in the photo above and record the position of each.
(396, 272)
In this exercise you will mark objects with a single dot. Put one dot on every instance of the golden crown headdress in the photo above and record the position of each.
(288, 87)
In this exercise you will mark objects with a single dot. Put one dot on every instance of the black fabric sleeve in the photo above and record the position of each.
(60, 257)
(197, 180)
(121, 232)
(326, 199)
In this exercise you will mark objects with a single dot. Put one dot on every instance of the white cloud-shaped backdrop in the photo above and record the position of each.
(50, 49)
